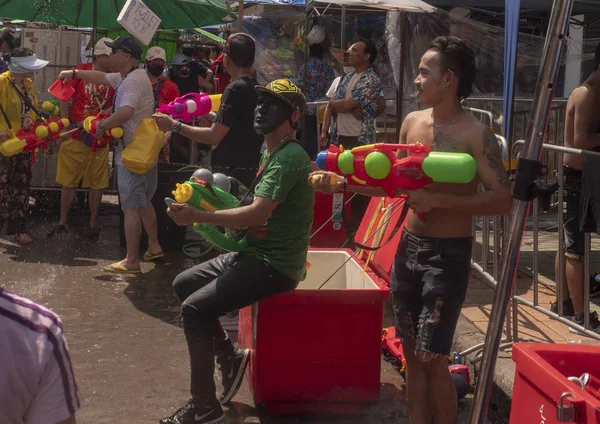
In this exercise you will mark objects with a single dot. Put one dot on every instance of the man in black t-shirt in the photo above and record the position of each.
(237, 151)
(190, 76)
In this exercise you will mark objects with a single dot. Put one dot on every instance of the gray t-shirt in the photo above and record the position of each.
(135, 90)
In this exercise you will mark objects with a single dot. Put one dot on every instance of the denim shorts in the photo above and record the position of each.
(429, 284)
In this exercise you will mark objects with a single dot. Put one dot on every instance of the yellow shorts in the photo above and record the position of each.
(77, 164)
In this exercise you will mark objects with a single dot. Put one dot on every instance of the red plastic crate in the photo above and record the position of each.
(317, 351)
(542, 376)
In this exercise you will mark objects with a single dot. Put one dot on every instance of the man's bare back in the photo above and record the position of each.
(582, 118)
(467, 135)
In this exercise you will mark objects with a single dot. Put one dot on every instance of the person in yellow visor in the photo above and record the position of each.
(18, 102)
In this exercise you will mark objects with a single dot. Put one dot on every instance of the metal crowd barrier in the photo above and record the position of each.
(491, 254)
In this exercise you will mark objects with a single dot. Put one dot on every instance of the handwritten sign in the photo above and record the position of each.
(139, 20)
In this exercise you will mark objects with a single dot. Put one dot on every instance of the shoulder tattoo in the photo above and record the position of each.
(491, 150)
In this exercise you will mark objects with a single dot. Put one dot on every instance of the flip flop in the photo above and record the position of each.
(120, 269)
(151, 257)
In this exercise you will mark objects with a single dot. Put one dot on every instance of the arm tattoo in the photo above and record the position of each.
(491, 150)
(445, 143)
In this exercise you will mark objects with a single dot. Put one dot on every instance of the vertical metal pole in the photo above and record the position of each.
(400, 89)
(485, 242)
(240, 16)
(94, 23)
(497, 245)
(535, 250)
(343, 33)
(550, 63)
(561, 237)
(586, 282)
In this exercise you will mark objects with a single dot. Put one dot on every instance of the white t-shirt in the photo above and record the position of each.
(37, 385)
(348, 125)
(135, 90)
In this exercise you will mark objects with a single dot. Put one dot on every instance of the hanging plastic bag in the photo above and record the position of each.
(141, 154)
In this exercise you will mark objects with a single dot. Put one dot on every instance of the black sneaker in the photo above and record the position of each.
(594, 322)
(594, 287)
(568, 310)
(57, 229)
(232, 374)
(191, 415)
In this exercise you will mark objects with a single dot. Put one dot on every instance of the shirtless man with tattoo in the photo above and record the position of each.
(431, 268)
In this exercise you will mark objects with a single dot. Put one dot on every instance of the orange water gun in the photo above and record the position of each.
(91, 123)
(41, 135)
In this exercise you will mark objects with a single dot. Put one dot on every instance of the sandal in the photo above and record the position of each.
(117, 268)
(22, 238)
(57, 229)
(148, 257)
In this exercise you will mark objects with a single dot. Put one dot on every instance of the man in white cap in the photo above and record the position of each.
(78, 165)
(133, 102)
(164, 90)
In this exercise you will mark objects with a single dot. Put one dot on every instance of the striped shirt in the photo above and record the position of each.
(37, 384)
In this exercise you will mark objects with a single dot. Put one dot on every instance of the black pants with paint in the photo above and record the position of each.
(210, 290)
(15, 179)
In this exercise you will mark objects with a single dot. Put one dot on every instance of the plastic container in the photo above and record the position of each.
(318, 351)
(170, 235)
(61, 91)
(542, 377)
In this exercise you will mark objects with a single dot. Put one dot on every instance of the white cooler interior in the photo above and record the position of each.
(324, 262)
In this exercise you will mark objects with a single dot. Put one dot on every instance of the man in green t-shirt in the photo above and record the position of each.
(278, 222)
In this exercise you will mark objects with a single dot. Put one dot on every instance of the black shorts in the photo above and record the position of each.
(429, 284)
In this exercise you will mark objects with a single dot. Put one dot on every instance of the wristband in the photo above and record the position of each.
(74, 74)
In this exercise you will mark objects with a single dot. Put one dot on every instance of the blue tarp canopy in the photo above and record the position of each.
(581, 6)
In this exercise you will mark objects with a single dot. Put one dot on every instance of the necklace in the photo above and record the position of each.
(447, 123)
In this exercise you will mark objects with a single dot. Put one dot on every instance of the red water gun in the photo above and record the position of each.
(31, 140)
(91, 123)
(377, 165)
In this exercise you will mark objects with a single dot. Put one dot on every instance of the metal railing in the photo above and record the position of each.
(489, 234)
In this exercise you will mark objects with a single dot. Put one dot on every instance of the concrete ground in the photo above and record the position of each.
(126, 343)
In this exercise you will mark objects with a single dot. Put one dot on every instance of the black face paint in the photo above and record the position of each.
(155, 70)
(270, 114)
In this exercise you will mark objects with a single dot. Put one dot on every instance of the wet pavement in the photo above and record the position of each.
(126, 343)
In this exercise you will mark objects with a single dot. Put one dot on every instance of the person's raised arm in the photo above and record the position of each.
(95, 77)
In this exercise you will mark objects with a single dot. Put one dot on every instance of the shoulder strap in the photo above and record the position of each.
(157, 89)
(6, 118)
(24, 98)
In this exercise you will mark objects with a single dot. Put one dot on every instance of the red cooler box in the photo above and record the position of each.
(318, 351)
(542, 378)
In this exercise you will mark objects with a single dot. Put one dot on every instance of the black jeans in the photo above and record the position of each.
(429, 284)
(207, 291)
